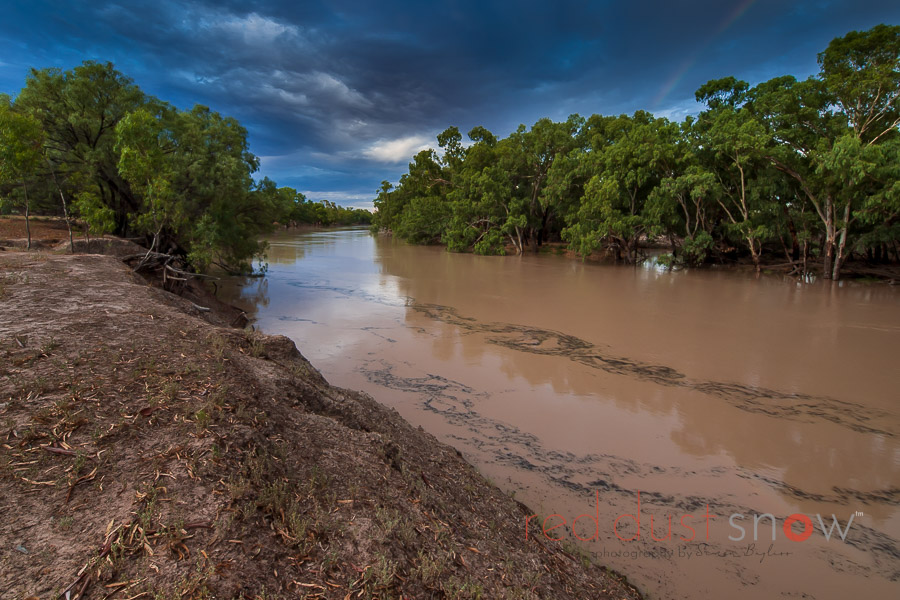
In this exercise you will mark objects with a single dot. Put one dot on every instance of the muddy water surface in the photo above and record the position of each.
(703, 400)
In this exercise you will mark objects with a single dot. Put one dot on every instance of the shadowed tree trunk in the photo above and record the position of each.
(27, 223)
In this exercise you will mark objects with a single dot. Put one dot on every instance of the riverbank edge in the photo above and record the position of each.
(851, 271)
(149, 448)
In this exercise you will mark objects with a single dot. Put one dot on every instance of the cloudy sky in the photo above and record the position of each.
(338, 96)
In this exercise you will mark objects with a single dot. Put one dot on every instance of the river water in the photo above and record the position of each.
(703, 399)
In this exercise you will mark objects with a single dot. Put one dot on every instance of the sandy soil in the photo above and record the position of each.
(146, 452)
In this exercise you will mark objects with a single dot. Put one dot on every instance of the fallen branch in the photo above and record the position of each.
(189, 274)
(89, 477)
(149, 254)
(858, 270)
(791, 264)
(65, 452)
(150, 259)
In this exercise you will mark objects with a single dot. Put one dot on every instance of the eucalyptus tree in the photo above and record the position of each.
(424, 191)
(280, 202)
(214, 177)
(685, 204)
(192, 172)
(78, 110)
(144, 146)
(387, 207)
(528, 156)
(834, 136)
(21, 139)
(861, 73)
(636, 154)
(479, 201)
(733, 144)
(801, 164)
(417, 209)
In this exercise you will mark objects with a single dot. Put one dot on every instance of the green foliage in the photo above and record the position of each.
(192, 171)
(78, 111)
(292, 207)
(617, 207)
(136, 165)
(423, 222)
(21, 139)
(862, 74)
(144, 146)
(696, 250)
(783, 166)
(491, 243)
(99, 218)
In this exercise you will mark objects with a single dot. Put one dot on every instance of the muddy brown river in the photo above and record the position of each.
(675, 421)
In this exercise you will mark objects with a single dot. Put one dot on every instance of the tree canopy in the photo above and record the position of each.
(804, 169)
(135, 165)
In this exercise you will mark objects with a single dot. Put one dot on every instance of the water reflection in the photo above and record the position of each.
(251, 294)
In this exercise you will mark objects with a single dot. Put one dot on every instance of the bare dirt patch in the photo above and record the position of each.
(42, 228)
(145, 452)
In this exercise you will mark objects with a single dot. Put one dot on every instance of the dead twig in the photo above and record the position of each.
(89, 477)
(189, 274)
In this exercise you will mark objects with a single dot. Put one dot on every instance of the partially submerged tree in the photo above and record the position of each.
(832, 134)
(637, 153)
(808, 168)
(733, 143)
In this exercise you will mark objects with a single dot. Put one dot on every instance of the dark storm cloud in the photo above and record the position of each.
(337, 96)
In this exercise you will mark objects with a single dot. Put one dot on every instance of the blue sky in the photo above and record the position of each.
(338, 96)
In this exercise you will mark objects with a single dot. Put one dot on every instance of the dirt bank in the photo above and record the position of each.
(148, 453)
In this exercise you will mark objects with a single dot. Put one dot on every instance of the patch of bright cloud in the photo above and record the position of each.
(290, 97)
(254, 29)
(397, 151)
(332, 87)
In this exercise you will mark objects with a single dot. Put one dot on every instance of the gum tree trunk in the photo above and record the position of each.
(839, 259)
(829, 237)
(27, 223)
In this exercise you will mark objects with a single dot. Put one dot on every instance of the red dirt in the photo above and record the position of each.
(43, 228)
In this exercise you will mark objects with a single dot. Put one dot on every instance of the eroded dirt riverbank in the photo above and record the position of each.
(146, 452)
